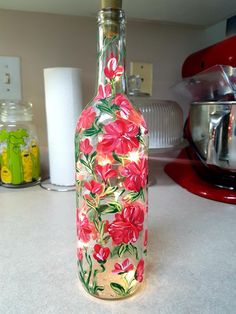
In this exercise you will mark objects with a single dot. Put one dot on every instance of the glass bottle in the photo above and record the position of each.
(19, 149)
(111, 173)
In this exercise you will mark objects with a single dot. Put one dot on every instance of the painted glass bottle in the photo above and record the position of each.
(111, 173)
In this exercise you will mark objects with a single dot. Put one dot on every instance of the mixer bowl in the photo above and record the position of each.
(212, 128)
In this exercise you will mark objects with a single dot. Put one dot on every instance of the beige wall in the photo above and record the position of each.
(47, 40)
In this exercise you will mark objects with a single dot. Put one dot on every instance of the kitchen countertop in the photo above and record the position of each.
(191, 256)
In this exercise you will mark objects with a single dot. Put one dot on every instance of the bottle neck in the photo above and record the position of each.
(111, 52)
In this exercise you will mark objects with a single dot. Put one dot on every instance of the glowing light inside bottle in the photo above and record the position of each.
(134, 156)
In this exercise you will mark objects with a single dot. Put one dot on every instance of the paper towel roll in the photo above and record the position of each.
(63, 100)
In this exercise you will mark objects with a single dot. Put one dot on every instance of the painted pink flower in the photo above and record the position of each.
(84, 228)
(94, 187)
(80, 254)
(124, 104)
(136, 175)
(124, 267)
(86, 118)
(127, 225)
(104, 91)
(101, 253)
(112, 69)
(85, 146)
(127, 111)
(119, 136)
(105, 172)
(139, 271)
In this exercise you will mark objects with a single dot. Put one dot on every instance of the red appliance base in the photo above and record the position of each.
(182, 172)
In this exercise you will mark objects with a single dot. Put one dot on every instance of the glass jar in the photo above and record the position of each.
(164, 118)
(19, 149)
(111, 147)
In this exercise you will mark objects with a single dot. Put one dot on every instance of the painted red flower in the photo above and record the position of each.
(112, 69)
(120, 136)
(80, 254)
(136, 175)
(85, 146)
(122, 268)
(127, 225)
(101, 253)
(127, 111)
(124, 104)
(104, 91)
(105, 172)
(86, 118)
(94, 187)
(84, 228)
(139, 271)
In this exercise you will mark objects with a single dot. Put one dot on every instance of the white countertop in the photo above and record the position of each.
(191, 257)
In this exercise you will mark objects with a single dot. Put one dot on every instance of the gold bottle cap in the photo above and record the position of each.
(111, 4)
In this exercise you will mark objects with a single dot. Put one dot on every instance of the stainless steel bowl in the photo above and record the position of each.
(212, 127)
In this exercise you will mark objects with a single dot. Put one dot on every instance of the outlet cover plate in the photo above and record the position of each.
(145, 71)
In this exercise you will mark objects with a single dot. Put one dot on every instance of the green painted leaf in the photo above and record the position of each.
(142, 195)
(116, 205)
(86, 165)
(81, 277)
(96, 224)
(117, 288)
(132, 196)
(88, 258)
(92, 157)
(102, 208)
(110, 189)
(114, 252)
(116, 157)
(130, 249)
(104, 108)
(110, 208)
(92, 131)
(102, 227)
(105, 102)
(98, 288)
(115, 107)
(135, 250)
(89, 203)
(106, 238)
(122, 249)
(140, 138)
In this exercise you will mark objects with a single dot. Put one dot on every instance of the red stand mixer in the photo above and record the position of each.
(210, 83)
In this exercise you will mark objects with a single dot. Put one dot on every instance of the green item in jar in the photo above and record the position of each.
(34, 150)
(14, 168)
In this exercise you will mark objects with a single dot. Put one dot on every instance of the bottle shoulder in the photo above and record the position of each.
(117, 109)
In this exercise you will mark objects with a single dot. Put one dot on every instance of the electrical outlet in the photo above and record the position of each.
(144, 70)
(10, 78)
